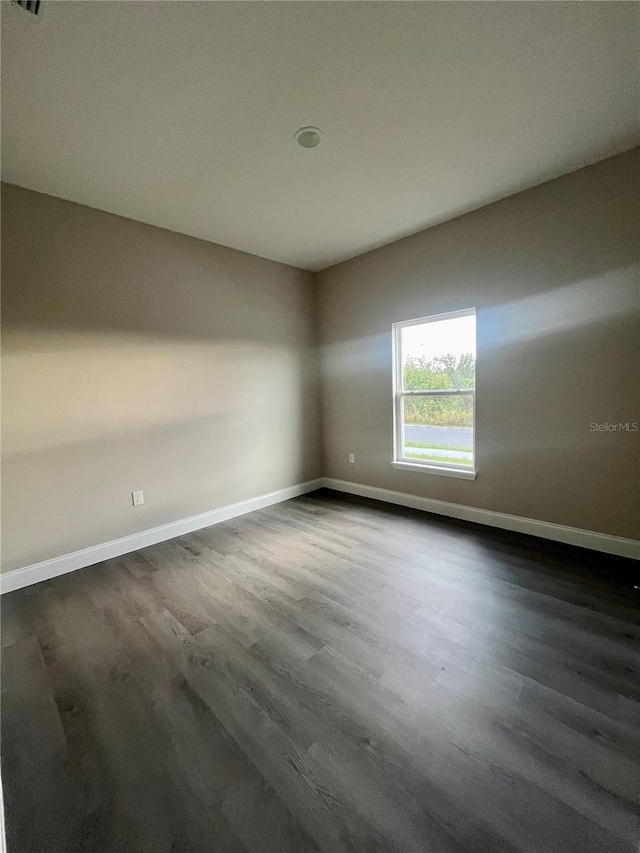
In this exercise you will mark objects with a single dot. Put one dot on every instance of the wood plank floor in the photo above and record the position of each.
(326, 675)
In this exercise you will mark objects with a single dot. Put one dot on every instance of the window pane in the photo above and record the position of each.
(438, 429)
(439, 354)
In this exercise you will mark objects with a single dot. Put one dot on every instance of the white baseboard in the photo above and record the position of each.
(18, 578)
(557, 532)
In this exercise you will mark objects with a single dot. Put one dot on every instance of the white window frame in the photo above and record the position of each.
(399, 460)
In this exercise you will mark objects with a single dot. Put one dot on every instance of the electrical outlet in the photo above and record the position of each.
(352, 457)
(137, 498)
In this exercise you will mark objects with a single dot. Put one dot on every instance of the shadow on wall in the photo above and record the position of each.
(568, 324)
(89, 417)
(69, 267)
(70, 387)
(134, 358)
(552, 273)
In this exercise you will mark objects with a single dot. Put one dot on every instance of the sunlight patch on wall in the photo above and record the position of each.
(67, 387)
(572, 306)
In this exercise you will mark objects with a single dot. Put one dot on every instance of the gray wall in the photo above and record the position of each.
(553, 274)
(136, 358)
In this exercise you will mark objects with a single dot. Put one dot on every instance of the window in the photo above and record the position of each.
(434, 391)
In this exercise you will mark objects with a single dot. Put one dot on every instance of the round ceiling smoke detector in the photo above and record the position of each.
(308, 137)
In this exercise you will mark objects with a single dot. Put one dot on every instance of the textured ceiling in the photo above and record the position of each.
(182, 114)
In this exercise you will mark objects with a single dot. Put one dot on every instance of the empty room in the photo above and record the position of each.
(320, 427)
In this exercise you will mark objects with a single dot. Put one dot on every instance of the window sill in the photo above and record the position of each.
(433, 469)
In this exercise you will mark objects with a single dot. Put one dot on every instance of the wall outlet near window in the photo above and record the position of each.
(137, 498)
(352, 457)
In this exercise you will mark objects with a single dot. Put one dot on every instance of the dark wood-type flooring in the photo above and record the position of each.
(326, 675)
